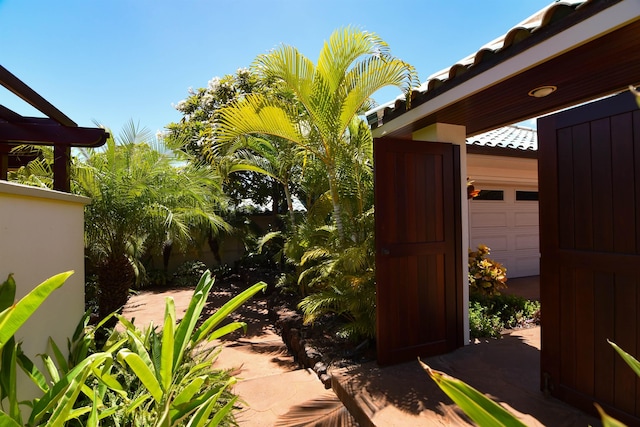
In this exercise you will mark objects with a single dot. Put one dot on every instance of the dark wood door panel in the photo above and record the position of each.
(417, 249)
(589, 180)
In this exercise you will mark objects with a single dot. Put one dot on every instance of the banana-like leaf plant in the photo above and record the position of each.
(179, 383)
(12, 316)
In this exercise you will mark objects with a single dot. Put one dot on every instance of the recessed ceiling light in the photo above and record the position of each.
(542, 91)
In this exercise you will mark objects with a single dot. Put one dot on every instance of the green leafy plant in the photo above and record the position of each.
(490, 315)
(56, 406)
(487, 413)
(174, 369)
(188, 273)
(138, 377)
(486, 276)
(482, 410)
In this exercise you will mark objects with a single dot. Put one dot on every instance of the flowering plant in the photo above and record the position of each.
(486, 276)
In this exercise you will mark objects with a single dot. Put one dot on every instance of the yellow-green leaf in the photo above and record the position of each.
(12, 318)
(481, 409)
(608, 421)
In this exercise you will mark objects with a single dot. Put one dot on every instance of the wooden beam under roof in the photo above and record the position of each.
(38, 131)
(55, 130)
(30, 96)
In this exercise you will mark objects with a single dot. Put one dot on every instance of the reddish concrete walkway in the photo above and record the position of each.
(273, 389)
(277, 392)
(507, 370)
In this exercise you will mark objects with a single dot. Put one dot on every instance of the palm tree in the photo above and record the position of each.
(143, 195)
(351, 67)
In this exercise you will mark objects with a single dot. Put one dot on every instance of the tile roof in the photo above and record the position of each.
(511, 137)
(558, 10)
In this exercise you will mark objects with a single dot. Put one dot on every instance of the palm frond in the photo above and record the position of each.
(256, 114)
(325, 410)
(292, 67)
(344, 47)
(370, 75)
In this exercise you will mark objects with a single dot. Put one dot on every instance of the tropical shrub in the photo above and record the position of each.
(56, 406)
(341, 280)
(136, 378)
(188, 273)
(486, 276)
(490, 315)
(146, 198)
(174, 366)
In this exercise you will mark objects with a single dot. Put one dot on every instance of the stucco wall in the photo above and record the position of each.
(501, 169)
(41, 234)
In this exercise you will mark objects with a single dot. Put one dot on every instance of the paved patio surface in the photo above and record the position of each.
(273, 389)
(507, 370)
(277, 392)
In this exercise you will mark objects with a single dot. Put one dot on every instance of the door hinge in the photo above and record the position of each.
(547, 384)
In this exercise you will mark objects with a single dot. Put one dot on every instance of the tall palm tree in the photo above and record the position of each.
(351, 67)
(143, 194)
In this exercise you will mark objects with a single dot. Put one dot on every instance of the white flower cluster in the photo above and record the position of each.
(213, 84)
(180, 106)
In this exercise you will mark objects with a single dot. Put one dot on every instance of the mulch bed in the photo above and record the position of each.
(314, 346)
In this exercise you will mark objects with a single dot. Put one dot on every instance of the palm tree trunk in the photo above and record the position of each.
(115, 278)
(287, 194)
(335, 200)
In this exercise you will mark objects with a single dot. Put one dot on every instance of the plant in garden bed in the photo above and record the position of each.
(490, 315)
(139, 377)
(486, 276)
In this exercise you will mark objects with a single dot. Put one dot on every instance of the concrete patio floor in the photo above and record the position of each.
(506, 369)
(276, 391)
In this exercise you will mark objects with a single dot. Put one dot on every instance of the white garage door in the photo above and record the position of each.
(505, 218)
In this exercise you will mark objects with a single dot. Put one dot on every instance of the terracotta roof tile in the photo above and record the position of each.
(547, 16)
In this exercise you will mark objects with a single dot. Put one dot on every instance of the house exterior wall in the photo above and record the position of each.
(508, 226)
(486, 169)
(41, 234)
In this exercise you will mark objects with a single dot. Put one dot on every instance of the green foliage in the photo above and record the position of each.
(482, 410)
(341, 278)
(174, 369)
(144, 196)
(329, 95)
(486, 276)
(137, 377)
(188, 273)
(489, 315)
(487, 413)
(56, 406)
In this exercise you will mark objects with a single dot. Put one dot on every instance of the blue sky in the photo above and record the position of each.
(116, 60)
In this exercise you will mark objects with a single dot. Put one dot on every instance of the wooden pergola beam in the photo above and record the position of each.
(33, 98)
(35, 131)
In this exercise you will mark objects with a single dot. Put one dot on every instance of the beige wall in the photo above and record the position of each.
(484, 169)
(41, 234)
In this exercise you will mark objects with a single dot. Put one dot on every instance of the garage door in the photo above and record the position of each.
(505, 218)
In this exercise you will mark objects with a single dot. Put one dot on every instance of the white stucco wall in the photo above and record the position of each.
(41, 234)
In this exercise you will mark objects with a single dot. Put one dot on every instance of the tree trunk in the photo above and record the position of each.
(335, 200)
(287, 194)
(115, 278)
(275, 197)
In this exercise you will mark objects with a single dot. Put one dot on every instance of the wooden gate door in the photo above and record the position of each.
(589, 181)
(418, 249)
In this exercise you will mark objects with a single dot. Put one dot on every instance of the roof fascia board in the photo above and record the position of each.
(606, 21)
